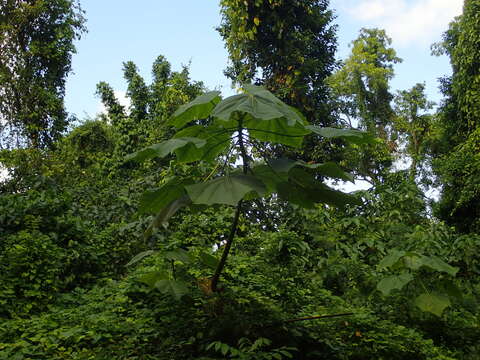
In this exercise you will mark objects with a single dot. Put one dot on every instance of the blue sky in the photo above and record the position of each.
(184, 31)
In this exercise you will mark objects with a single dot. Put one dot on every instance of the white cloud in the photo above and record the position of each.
(406, 21)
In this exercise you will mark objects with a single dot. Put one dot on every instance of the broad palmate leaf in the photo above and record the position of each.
(351, 135)
(395, 282)
(199, 108)
(228, 190)
(164, 148)
(432, 303)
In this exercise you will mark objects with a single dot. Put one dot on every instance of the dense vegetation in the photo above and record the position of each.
(191, 226)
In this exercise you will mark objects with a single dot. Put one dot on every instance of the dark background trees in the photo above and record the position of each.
(456, 150)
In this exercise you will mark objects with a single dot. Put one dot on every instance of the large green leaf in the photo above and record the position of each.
(277, 131)
(304, 190)
(174, 288)
(282, 165)
(217, 141)
(227, 190)
(351, 135)
(269, 177)
(395, 282)
(295, 194)
(329, 169)
(391, 259)
(164, 148)
(259, 103)
(166, 213)
(199, 108)
(153, 201)
(308, 196)
(452, 289)
(435, 263)
(413, 260)
(151, 278)
(181, 255)
(432, 303)
(140, 257)
(209, 260)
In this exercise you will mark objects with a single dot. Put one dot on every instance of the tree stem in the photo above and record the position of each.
(238, 211)
(228, 245)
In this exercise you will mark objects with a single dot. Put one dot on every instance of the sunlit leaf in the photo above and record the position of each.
(435, 263)
(277, 131)
(413, 261)
(151, 278)
(432, 303)
(259, 103)
(199, 108)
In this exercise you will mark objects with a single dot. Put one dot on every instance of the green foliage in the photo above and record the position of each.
(151, 105)
(362, 89)
(265, 118)
(457, 146)
(286, 47)
(363, 81)
(246, 119)
(314, 274)
(413, 123)
(36, 47)
(460, 171)
(47, 249)
(248, 350)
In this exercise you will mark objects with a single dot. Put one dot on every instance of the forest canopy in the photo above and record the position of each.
(194, 225)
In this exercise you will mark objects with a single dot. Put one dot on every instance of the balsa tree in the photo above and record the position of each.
(241, 127)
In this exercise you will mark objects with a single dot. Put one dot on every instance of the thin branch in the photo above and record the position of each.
(238, 211)
(309, 318)
(318, 317)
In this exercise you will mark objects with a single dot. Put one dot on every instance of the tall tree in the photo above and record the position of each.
(286, 46)
(363, 80)
(457, 155)
(36, 47)
(414, 123)
(150, 105)
(362, 89)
